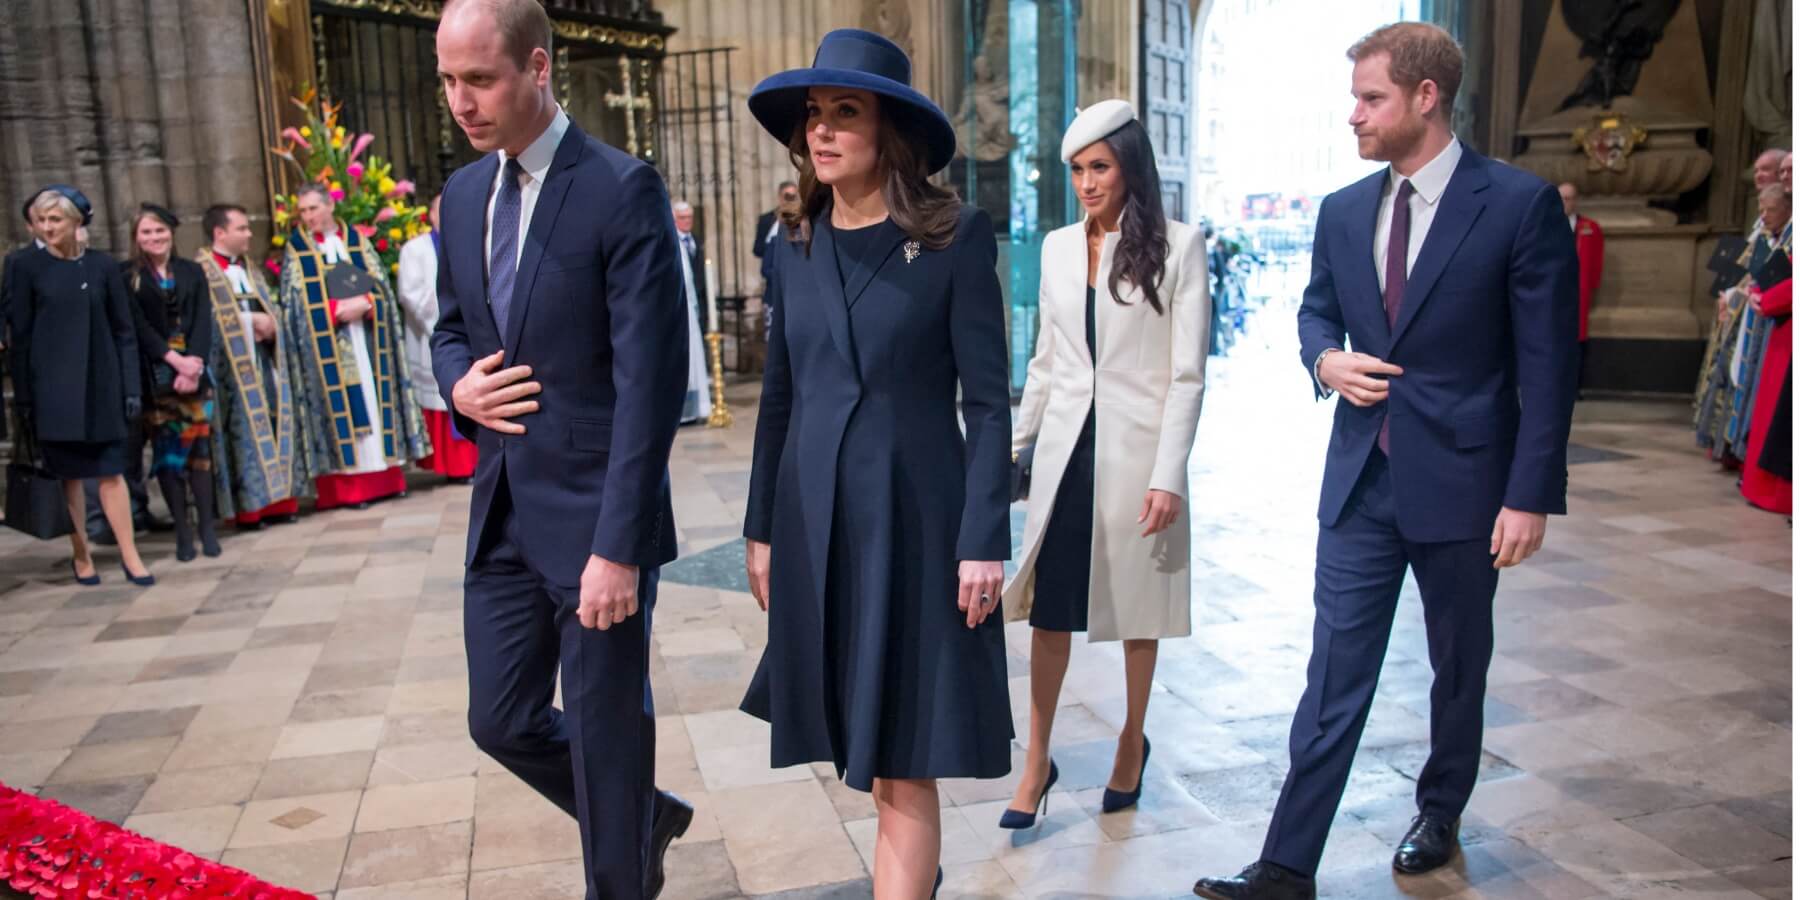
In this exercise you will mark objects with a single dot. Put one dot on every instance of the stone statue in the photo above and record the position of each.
(990, 136)
(1619, 36)
(891, 19)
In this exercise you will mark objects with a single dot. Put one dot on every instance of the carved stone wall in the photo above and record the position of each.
(132, 101)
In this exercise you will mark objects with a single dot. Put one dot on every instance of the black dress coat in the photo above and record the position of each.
(150, 313)
(74, 352)
(869, 494)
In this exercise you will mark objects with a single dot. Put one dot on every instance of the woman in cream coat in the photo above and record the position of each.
(1112, 399)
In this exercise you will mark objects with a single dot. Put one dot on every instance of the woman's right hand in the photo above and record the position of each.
(756, 566)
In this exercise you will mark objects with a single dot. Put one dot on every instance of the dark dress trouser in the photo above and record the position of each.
(595, 758)
(1361, 563)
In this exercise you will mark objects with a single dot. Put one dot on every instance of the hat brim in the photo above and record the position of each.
(779, 105)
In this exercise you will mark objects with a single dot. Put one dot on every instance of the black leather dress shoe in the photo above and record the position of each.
(1259, 881)
(1429, 844)
(673, 816)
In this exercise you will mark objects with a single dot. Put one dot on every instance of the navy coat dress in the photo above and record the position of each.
(869, 492)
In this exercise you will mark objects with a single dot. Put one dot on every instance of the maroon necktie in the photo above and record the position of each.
(1394, 288)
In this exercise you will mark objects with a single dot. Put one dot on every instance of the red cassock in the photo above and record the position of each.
(1765, 489)
(1590, 247)
(452, 455)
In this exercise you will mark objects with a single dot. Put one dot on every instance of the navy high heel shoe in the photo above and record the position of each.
(146, 581)
(938, 883)
(89, 581)
(1014, 820)
(1113, 801)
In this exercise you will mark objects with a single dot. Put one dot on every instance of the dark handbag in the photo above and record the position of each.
(1021, 473)
(34, 497)
(34, 502)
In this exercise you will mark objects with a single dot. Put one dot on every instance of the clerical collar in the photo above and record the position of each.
(225, 262)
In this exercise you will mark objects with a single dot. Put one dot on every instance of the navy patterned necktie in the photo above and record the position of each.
(503, 259)
(1394, 290)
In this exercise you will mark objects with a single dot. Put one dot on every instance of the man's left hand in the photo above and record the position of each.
(608, 593)
(1517, 535)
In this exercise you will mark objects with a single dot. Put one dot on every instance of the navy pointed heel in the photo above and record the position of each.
(938, 883)
(89, 581)
(1113, 801)
(146, 581)
(1014, 820)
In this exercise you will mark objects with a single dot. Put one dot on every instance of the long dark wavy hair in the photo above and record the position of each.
(1143, 229)
(926, 211)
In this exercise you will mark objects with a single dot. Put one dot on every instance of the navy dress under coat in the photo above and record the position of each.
(869, 494)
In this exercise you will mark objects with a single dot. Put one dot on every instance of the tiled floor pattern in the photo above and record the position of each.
(296, 707)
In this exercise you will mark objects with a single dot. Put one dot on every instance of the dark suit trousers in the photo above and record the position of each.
(1361, 563)
(594, 758)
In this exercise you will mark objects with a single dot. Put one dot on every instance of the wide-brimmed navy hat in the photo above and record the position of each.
(74, 195)
(864, 60)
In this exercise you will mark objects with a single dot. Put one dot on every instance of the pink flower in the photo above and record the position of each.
(362, 143)
(337, 195)
(293, 134)
(355, 170)
(387, 212)
(402, 187)
(365, 230)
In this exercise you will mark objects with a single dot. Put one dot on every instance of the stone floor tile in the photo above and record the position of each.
(125, 726)
(296, 820)
(446, 887)
(101, 762)
(414, 805)
(221, 786)
(544, 881)
(202, 830)
(305, 775)
(305, 866)
(407, 854)
(111, 800)
(327, 737)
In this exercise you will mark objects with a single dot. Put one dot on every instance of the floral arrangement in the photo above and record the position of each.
(48, 850)
(369, 198)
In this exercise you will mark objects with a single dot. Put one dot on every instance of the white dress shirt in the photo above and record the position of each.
(535, 160)
(1428, 184)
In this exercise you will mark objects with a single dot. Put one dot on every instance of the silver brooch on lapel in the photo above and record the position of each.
(911, 249)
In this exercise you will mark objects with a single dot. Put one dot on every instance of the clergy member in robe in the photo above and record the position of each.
(452, 455)
(350, 376)
(696, 406)
(256, 442)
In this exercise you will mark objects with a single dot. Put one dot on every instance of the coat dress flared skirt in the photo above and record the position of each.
(868, 493)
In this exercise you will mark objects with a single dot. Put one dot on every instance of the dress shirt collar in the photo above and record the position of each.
(538, 156)
(1433, 177)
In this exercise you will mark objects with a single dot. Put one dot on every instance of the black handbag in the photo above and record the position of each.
(1021, 473)
(34, 497)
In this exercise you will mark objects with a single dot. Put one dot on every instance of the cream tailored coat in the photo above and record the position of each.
(1145, 381)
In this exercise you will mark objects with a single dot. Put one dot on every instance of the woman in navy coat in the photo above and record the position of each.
(878, 523)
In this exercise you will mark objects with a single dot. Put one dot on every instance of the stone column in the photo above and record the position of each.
(132, 101)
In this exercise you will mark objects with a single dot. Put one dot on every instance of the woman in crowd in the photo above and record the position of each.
(75, 370)
(1111, 403)
(876, 530)
(175, 333)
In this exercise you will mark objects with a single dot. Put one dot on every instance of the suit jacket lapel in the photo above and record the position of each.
(468, 246)
(543, 221)
(1460, 206)
(879, 254)
(1365, 214)
(822, 261)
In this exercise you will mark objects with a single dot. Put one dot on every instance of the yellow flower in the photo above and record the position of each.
(386, 185)
(393, 267)
(305, 131)
(337, 142)
(337, 185)
(278, 240)
(340, 132)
